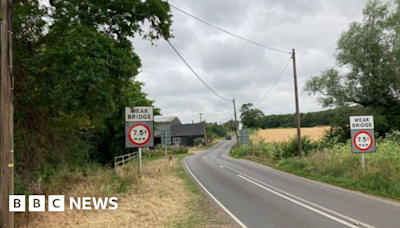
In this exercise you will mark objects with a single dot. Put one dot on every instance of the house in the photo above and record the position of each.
(163, 123)
(185, 134)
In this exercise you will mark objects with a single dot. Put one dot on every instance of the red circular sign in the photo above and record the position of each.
(139, 134)
(364, 141)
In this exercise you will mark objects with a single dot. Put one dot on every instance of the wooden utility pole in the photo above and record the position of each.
(297, 105)
(200, 116)
(6, 116)
(236, 123)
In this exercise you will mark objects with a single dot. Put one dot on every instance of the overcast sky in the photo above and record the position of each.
(237, 69)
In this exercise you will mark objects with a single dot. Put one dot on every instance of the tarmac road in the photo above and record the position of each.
(259, 196)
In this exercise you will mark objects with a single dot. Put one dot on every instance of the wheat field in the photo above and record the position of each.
(278, 135)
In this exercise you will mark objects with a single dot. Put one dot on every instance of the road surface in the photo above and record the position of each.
(258, 196)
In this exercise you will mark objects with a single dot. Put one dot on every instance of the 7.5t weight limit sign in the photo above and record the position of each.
(363, 140)
(139, 134)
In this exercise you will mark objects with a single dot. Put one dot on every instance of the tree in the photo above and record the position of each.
(251, 118)
(368, 59)
(230, 125)
(215, 130)
(75, 71)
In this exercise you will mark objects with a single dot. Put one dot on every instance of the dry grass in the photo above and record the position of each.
(159, 198)
(278, 135)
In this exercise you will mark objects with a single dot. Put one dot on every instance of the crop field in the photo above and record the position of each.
(278, 135)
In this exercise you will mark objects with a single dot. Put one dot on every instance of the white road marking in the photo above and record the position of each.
(300, 204)
(301, 199)
(221, 166)
(215, 199)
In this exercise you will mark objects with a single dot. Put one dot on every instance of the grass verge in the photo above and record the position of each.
(163, 197)
(336, 165)
(201, 213)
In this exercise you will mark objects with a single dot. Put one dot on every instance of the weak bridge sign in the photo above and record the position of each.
(362, 134)
(141, 113)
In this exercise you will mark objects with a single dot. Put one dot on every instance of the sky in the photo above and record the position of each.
(238, 69)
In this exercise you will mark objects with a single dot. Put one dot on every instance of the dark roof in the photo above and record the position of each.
(187, 129)
(165, 119)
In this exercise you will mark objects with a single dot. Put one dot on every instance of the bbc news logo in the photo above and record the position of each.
(37, 203)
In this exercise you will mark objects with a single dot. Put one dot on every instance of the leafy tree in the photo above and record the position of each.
(215, 130)
(368, 59)
(250, 117)
(230, 125)
(75, 73)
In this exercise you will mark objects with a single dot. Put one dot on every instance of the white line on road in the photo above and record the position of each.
(300, 204)
(301, 199)
(215, 199)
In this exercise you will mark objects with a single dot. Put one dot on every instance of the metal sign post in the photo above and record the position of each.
(362, 136)
(139, 129)
(140, 161)
(363, 162)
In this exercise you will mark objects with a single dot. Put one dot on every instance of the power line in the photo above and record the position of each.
(222, 30)
(196, 73)
(274, 83)
(229, 118)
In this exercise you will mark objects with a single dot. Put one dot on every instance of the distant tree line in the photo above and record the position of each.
(338, 119)
(254, 118)
(310, 119)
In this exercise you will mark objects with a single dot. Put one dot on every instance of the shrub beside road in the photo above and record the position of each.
(334, 163)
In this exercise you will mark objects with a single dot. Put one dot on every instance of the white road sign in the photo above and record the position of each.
(136, 114)
(139, 134)
(361, 122)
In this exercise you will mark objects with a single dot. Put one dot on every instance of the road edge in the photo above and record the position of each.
(210, 197)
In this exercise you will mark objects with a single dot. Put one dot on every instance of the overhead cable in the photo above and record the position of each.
(274, 83)
(187, 64)
(223, 30)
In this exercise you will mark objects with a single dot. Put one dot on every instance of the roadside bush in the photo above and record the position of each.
(180, 150)
(276, 150)
(339, 166)
(239, 152)
(290, 148)
(160, 151)
(197, 141)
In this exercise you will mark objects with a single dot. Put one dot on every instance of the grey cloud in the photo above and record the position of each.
(236, 69)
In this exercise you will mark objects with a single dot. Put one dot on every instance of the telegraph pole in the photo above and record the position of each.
(6, 116)
(200, 116)
(236, 123)
(297, 105)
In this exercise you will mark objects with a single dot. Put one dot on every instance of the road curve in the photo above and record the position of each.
(258, 196)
